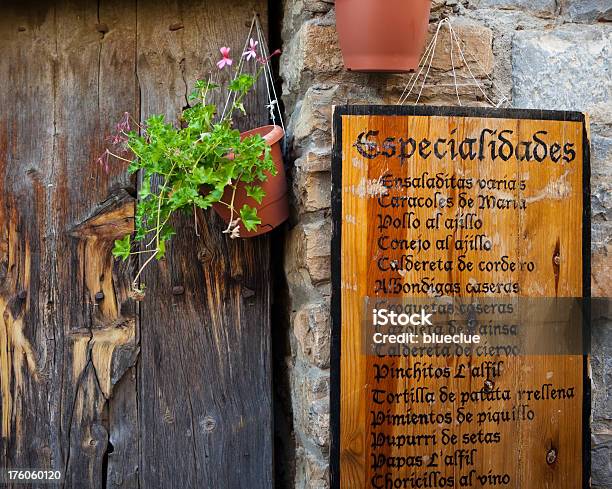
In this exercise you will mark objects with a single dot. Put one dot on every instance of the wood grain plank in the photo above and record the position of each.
(204, 377)
(70, 395)
(60, 215)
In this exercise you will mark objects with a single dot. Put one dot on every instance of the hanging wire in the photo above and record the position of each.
(493, 84)
(273, 102)
(427, 60)
(232, 95)
(431, 58)
(270, 105)
(454, 34)
(452, 48)
(415, 76)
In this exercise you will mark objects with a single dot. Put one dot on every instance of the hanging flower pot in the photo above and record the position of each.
(274, 208)
(382, 35)
(201, 161)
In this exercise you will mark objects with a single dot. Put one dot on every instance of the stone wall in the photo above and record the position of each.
(551, 54)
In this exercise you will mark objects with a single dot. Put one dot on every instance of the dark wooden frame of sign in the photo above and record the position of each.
(336, 265)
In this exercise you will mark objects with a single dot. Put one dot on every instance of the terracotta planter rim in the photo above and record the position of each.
(274, 209)
(271, 133)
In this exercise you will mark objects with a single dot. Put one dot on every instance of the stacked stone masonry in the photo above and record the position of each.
(549, 54)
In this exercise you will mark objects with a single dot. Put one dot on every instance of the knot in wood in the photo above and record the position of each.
(551, 456)
(205, 256)
(208, 424)
(103, 28)
(22, 295)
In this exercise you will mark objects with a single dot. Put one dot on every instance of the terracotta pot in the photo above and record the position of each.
(274, 208)
(382, 35)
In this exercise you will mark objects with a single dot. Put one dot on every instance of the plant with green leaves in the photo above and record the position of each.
(190, 165)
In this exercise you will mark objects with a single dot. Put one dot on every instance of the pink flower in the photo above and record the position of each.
(121, 129)
(103, 160)
(264, 61)
(116, 139)
(226, 60)
(251, 52)
(124, 123)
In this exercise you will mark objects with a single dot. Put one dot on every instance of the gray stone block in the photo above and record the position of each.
(601, 190)
(601, 463)
(542, 8)
(601, 368)
(587, 10)
(567, 68)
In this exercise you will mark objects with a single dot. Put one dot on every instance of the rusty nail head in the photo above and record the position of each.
(99, 296)
(488, 384)
(551, 456)
(246, 292)
(178, 290)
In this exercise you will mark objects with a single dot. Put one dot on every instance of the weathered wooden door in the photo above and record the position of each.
(173, 391)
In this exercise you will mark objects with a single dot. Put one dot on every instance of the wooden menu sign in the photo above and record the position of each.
(483, 211)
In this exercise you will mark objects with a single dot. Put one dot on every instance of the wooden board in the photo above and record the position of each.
(205, 354)
(61, 350)
(174, 391)
(541, 222)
